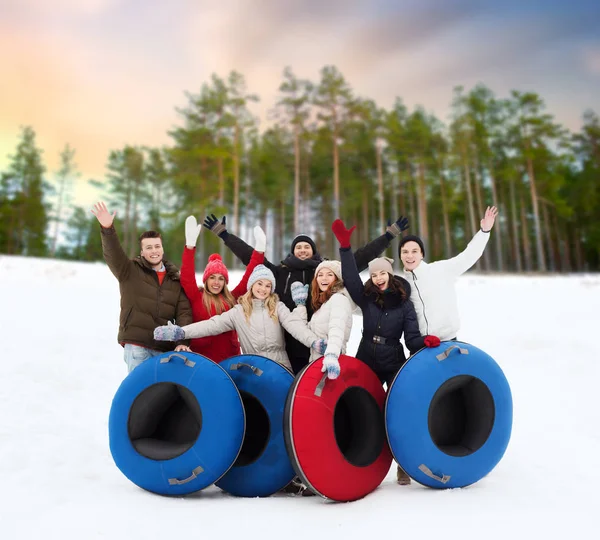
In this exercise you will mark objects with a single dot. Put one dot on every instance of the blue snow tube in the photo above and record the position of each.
(448, 415)
(176, 424)
(263, 466)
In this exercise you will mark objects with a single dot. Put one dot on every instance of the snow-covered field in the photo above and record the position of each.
(61, 366)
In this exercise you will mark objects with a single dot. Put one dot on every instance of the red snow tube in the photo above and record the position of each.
(335, 431)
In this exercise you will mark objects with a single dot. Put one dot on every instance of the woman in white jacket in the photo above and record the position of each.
(332, 318)
(432, 285)
(257, 318)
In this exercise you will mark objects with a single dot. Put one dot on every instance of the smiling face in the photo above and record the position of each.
(303, 250)
(215, 283)
(152, 251)
(381, 279)
(262, 289)
(411, 255)
(325, 277)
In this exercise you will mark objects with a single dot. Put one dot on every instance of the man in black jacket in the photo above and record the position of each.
(300, 265)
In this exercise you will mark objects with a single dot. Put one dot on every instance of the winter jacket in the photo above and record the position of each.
(383, 325)
(222, 346)
(332, 321)
(145, 304)
(293, 269)
(260, 335)
(433, 289)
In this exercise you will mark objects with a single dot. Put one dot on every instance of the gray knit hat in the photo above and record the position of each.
(334, 266)
(261, 272)
(381, 263)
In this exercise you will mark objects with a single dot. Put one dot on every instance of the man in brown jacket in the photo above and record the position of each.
(151, 293)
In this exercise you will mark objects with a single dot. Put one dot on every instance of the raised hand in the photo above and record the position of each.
(331, 365)
(170, 332)
(401, 224)
(341, 233)
(260, 239)
(104, 217)
(192, 230)
(488, 220)
(299, 293)
(212, 223)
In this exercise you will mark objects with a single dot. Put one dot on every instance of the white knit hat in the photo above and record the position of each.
(334, 266)
(381, 263)
(261, 272)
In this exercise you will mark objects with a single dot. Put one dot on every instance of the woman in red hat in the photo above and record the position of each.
(214, 297)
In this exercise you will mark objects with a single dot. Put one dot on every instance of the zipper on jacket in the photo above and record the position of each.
(286, 282)
(419, 291)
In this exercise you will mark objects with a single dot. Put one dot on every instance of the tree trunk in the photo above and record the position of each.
(422, 202)
(525, 231)
(221, 181)
(536, 214)
(296, 181)
(412, 202)
(548, 237)
(236, 178)
(336, 176)
(402, 192)
(578, 251)
(446, 219)
(58, 214)
(485, 260)
(497, 237)
(470, 203)
(382, 223)
(364, 233)
(515, 227)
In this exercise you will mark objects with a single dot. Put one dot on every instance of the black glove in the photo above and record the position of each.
(394, 229)
(212, 223)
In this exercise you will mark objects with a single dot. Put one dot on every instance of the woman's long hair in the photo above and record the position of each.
(318, 297)
(270, 304)
(394, 287)
(222, 302)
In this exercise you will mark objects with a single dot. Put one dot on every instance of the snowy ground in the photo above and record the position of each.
(61, 367)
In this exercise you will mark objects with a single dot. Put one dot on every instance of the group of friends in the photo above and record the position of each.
(293, 312)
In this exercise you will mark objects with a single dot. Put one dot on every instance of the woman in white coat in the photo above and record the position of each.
(433, 284)
(257, 318)
(332, 318)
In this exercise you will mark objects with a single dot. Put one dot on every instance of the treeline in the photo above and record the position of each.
(328, 154)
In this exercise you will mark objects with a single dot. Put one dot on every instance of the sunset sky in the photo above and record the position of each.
(99, 74)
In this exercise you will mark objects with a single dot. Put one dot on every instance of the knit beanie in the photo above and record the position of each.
(334, 266)
(304, 238)
(381, 263)
(411, 238)
(215, 266)
(261, 272)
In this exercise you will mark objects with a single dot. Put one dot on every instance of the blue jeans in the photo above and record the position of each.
(135, 355)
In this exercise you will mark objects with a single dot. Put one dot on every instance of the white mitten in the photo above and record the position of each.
(331, 365)
(192, 230)
(260, 239)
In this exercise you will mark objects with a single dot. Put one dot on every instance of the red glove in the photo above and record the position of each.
(341, 233)
(432, 341)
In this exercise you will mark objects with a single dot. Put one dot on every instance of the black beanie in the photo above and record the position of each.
(304, 238)
(411, 238)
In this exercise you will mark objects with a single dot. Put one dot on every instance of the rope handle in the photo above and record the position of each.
(426, 470)
(446, 353)
(321, 385)
(257, 371)
(195, 473)
(186, 360)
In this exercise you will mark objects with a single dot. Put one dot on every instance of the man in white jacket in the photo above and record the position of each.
(433, 285)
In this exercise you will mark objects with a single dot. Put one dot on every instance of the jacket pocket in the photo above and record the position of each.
(126, 318)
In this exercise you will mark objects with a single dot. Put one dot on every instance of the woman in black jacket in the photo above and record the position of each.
(299, 265)
(387, 312)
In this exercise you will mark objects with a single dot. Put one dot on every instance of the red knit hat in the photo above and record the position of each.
(215, 266)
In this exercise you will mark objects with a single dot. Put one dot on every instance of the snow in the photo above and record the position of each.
(61, 366)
